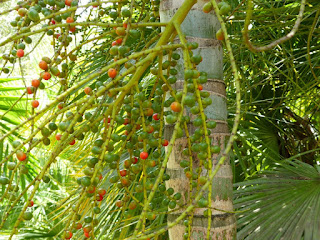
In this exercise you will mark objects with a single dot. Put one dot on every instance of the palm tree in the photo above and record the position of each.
(201, 28)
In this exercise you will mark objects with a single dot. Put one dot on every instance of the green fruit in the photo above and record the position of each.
(52, 126)
(203, 202)
(86, 181)
(28, 40)
(125, 12)
(27, 216)
(96, 210)
(113, 14)
(96, 150)
(135, 34)
(16, 143)
(45, 132)
(63, 126)
(46, 141)
(33, 15)
(172, 204)
(46, 179)
(4, 180)
(5, 70)
(176, 56)
(11, 165)
(88, 219)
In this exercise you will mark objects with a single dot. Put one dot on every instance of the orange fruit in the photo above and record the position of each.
(112, 72)
(35, 103)
(35, 83)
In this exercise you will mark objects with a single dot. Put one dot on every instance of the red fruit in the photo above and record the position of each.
(20, 53)
(21, 155)
(125, 25)
(135, 160)
(88, 90)
(220, 35)
(99, 197)
(72, 28)
(156, 116)
(114, 43)
(58, 137)
(68, 2)
(126, 121)
(119, 203)
(165, 142)
(148, 112)
(150, 129)
(100, 176)
(123, 172)
(35, 103)
(29, 90)
(78, 226)
(53, 21)
(126, 132)
(69, 20)
(132, 205)
(102, 192)
(144, 155)
(91, 189)
(61, 105)
(200, 87)
(31, 204)
(86, 234)
(176, 107)
(46, 75)
(35, 83)
(72, 142)
(43, 65)
(112, 72)
(119, 41)
(68, 235)
(87, 229)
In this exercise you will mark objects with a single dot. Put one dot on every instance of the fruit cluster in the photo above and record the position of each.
(122, 109)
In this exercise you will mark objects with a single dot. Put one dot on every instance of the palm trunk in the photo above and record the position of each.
(201, 28)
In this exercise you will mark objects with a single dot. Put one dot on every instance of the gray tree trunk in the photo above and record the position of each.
(201, 28)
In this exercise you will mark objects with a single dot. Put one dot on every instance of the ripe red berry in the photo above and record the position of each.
(43, 65)
(68, 235)
(176, 107)
(156, 116)
(134, 160)
(68, 2)
(31, 203)
(72, 142)
(114, 43)
(123, 172)
(165, 142)
(35, 103)
(58, 136)
(112, 72)
(102, 192)
(61, 105)
(99, 197)
(88, 90)
(46, 75)
(21, 155)
(200, 87)
(30, 90)
(144, 155)
(119, 41)
(78, 225)
(35, 83)
(69, 20)
(20, 53)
